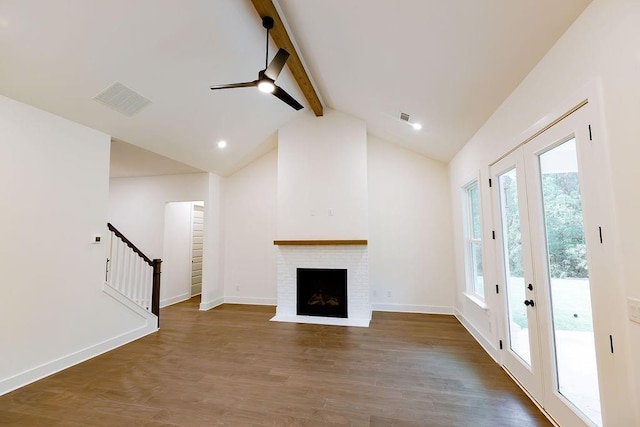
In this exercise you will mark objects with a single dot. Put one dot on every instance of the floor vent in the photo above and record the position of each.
(122, 99)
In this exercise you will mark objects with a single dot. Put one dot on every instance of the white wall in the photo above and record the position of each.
(410, 247)
(250, 229)
(213, 245)
(603, 48)
(54, 192)
(138, 208)
(322, 166)
(137, 205)
(176, 259)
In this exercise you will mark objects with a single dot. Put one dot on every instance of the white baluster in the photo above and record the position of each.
(110, 263)
(129, 273)
(122, 258)
(134, 275)
(122, 277)
(120, 263)
(139, 271)
(125, 268)
(113, 263)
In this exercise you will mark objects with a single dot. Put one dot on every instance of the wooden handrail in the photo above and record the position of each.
(128, 243)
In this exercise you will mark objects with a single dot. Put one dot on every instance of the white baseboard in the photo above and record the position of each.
(494, 353)
(479, 337)
(174, 300)
(122, 299)
(49, 368)
(251, 301)
(208, 305)
(22, 379)
(409, 308)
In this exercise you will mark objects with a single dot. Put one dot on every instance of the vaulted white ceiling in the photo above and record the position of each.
(449, 64)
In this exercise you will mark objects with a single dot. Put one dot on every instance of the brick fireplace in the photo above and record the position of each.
(351, 256)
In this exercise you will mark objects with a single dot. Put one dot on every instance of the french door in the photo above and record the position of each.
(544, 238)
(522, 356)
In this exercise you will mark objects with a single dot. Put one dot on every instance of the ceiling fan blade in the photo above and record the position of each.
(234, 85)
(276, 64)
(284, 96)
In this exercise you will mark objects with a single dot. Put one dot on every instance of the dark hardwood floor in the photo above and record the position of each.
(231, 366)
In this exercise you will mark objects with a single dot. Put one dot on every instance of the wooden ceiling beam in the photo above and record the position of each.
(282, 40)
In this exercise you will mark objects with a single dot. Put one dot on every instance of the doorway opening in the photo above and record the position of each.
(183, 250)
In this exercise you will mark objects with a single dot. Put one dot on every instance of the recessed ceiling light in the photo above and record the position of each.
(222, 144)
(416, 126)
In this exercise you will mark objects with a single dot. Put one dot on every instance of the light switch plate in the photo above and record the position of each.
(634, 309)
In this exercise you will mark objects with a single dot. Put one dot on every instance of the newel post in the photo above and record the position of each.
(155, 296)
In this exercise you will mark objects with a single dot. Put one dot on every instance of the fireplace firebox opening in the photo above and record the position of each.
(322, 292)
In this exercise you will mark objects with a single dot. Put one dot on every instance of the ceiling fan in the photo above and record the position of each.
(267, 77)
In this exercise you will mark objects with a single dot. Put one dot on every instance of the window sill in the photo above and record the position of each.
(480, 303)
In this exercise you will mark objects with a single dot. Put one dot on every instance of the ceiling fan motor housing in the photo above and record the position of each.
(267, 22)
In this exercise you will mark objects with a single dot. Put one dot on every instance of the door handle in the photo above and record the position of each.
(530, 287)
(529, 302)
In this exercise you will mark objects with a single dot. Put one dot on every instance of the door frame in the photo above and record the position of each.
(194, 205)
(584, 122)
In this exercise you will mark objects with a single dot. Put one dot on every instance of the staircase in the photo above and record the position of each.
(132, 274)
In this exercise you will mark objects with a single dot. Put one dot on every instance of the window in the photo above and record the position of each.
(473, 240)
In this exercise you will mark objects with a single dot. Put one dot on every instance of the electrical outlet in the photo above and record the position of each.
(375, 293)
(237, 288)
(389, 294)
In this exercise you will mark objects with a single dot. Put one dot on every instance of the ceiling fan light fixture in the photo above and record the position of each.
(266, 86)
(266, 81)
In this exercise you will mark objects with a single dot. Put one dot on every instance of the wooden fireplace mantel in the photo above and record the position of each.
(318, 242)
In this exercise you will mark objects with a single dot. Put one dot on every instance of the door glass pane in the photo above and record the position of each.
(513, 266)
(569, 280)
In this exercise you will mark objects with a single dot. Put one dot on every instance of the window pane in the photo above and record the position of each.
(473, 252)
(474, 202)
(478, 280)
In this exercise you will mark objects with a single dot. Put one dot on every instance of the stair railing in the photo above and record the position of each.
(132, 273)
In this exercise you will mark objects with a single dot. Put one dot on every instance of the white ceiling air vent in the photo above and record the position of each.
(122, 99)
(405, 118)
